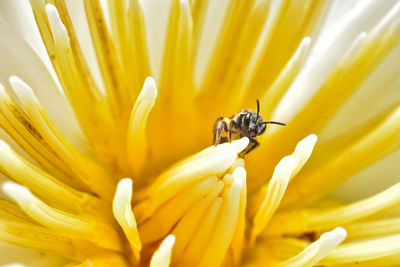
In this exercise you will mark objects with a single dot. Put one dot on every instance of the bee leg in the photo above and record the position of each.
(232, 124)
(252, 145)
(218, 132)
(221, 127)
(215, 131)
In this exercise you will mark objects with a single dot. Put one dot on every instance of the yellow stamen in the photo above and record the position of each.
(91, 107)
(245, 43)
(102, 260)
(136, 135)
(43, 239)
(299, 157)
(321, 219)
(201, 238)
(162, 221)
(210, 162)
(18, 125)
(117, 94)
(225, 226)
(87, 171)
(365, 250)
(162, 256)
(274, 194)
(238, 242)
(123, 214)
(379, 141)
(46, 186)
(272, 96)
(188, 225)
(270, 56)
(352, 69)
(137, 65)
(176, 72)
(224, 47)
(61, 221)
(372, 228)
(317, 250)
(10, 210)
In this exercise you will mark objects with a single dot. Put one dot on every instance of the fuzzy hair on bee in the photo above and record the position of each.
(245, 123)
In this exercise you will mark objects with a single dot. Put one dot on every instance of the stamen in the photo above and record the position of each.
(117, 93)
(61, 221)
(302, 152)
(211, 161)
(184, 62)
(162, 221)
(267, 51)
(276, 190)
(239, 162)
(177, 62)
(68, 72)
(87, 171)
(79, 62)
(38, 8)
(123, 214)
(57, 27)
(353, 51)
(200, 241)
(97, 113)
(273, 95)
(136, 135)
(92, 108)
(311, 255)
(118, 20)
(188, 225)
(245, 43)
(18, 125)
(103, 259)
(214, 43)
(365, 250)
(43, 239)
(162, 257)
(11, 211)
(137, 63)
(46, 186)
(238, 242)
(330, 92)
(299, 157)
(40, 182)
(373, 228)
(321, 219)
(225, 227)
(379, 141)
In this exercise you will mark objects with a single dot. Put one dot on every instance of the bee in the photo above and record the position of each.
(244, 123)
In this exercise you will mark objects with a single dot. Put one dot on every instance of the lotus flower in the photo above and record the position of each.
(107, 109)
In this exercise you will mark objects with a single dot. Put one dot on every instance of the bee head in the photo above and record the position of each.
(254, 124)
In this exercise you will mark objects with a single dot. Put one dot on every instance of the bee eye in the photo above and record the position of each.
(247, 120)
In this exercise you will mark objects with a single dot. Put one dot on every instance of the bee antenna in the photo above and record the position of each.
(258, 109)
(274, 122)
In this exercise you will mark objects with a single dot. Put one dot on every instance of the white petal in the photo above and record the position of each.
(11, 255)
(328, 49)
(371, 180)
(377, 93)
(213, 22)
(18, 59)
(18, 13)
(76, 11)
